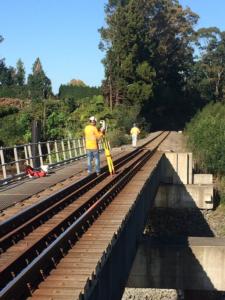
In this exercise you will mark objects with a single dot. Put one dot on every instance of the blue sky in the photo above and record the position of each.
(64, 35)
(211, 12)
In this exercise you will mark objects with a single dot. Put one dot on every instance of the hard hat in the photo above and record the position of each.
(92, 119)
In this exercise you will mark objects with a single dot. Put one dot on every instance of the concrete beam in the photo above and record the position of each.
(185, 196)
(195, 263)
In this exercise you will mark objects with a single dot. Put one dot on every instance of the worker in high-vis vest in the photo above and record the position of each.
(135, 131)
(92, 136)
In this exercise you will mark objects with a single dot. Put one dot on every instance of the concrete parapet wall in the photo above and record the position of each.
(185, 196)
(177, 168)
(197, 263)
(203, 179)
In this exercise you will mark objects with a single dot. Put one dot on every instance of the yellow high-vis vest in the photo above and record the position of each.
(92, 135)
(135, 131)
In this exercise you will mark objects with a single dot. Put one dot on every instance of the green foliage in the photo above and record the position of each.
(125, 117)
(4, 111)
(118, 122)
(14, 91)
(222, 190)
(57, 125)
(14, 129)
(88, 107)
(129, 74)
(208, 75)
(118, 137)
(7, 75)
(139, 90)
(75, 93)
(149, 51)
(145, 72)
(206, 138)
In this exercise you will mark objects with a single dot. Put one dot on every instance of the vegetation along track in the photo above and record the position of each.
(32, 241)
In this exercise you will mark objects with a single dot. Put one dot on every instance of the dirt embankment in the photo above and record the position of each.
(13, 102)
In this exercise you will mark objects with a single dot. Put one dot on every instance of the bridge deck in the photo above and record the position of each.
(70, 276)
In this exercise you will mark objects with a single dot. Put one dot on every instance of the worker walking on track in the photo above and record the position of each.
(135, 131)
(92, 135)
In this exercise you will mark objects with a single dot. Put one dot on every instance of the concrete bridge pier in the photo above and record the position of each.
(195, 265)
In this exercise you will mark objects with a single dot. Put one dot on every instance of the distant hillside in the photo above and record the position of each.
(77, 82)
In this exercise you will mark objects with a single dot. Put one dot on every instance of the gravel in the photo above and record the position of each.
(150, 294)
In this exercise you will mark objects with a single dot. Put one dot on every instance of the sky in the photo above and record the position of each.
(64, 35)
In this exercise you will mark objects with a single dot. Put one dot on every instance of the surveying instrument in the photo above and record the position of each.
(106, 148)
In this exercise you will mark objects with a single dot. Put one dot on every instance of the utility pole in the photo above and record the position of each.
(35, 137)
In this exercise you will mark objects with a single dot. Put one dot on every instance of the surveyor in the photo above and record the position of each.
(92, 136)
(135, 131)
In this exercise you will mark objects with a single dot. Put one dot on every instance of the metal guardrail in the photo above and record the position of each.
(50, 153)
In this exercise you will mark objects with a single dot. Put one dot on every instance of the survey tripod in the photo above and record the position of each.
(108, 156)
(106, 147)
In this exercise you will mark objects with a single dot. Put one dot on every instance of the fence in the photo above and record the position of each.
(52, 153)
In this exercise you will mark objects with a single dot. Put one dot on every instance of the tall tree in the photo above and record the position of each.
(20, 73)
(209, 72)
(39, 84)
(171, 31)
(127, 69)
(7, 75)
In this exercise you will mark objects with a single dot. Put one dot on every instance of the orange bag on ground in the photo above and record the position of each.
(33, 173)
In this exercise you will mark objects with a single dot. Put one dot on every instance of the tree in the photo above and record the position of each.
(3, 72)
(172, 35)
(7, 75)
(20, 73)
(39, 84)
(209, 75)
(127, 69)
(149, 54)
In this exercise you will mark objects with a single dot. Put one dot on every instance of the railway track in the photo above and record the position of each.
(34, 241)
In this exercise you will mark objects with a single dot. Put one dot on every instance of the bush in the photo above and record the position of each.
(206, 138)
(118, 138)
(5, 111)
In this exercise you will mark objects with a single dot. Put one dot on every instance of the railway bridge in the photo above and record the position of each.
(82, 237)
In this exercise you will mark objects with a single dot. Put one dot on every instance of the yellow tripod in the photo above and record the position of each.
(108, 156)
